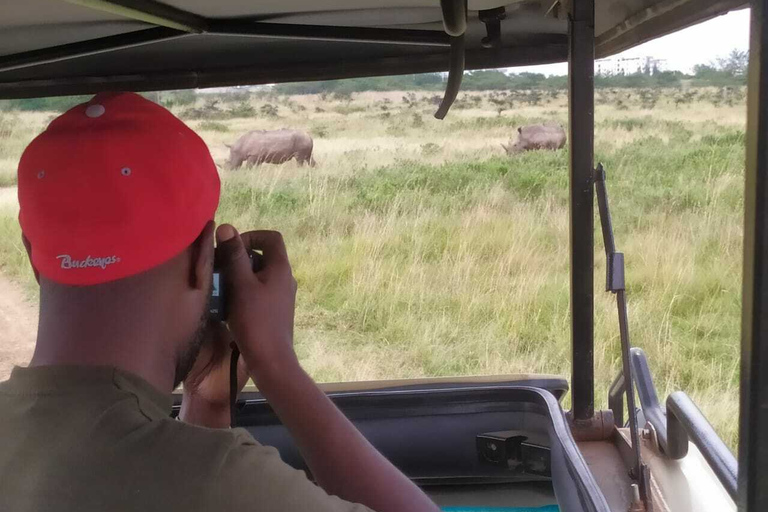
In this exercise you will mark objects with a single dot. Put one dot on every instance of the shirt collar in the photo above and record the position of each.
(62, 379)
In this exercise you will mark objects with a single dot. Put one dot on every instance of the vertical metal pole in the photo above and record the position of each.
(581, 80)
(753, 434)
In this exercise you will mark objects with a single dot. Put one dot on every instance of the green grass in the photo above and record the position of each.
(424, 251)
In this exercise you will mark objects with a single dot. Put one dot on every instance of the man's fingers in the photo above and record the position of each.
(270, 243)
(231, 253)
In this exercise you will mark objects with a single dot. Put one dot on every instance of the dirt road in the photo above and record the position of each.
(18, 327)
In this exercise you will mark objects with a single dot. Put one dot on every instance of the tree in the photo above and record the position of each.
(735, 64)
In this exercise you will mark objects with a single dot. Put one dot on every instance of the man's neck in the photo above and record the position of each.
(134, 352)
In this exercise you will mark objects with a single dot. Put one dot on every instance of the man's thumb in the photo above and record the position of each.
(231, 253)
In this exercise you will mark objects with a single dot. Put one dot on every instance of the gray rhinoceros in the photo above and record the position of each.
(270, 146)
(536, 136)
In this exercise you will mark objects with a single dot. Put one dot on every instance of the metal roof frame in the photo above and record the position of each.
(158, 23)
(753, 425)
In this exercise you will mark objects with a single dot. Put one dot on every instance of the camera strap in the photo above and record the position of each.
(233, 385)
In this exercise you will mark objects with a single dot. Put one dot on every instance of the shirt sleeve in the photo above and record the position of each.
(254, 478)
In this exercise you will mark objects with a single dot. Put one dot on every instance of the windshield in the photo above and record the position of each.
(423, 249)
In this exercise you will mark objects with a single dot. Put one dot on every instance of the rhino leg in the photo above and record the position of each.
(310, 162)
(254, 161)
(305, 158)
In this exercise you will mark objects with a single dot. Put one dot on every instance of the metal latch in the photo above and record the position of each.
(512, 450)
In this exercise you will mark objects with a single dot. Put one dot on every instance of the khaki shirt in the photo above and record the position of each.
(82, 439)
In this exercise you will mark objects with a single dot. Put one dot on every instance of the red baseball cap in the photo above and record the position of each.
(112, 188)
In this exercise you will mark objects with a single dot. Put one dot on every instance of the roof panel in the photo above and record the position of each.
(270, 8)
(34, 32)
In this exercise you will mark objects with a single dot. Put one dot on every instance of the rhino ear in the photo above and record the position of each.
(519, 129)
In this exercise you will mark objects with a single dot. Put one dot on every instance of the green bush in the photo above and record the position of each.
(213, 126)
(55, 104)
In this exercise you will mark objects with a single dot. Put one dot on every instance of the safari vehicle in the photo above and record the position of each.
(470, 442)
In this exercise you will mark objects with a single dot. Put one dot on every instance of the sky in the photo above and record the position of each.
(698, 44)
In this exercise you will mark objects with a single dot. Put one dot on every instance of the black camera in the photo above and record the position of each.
(217, 307)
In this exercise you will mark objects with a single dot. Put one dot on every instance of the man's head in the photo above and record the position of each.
(117, 199)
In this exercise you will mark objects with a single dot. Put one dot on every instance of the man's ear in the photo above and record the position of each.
(202, 258)
(28, 247)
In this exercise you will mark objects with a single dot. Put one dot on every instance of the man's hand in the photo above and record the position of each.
(206, 388)
(261, 305)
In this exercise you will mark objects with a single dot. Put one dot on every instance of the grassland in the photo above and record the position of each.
(422, 250)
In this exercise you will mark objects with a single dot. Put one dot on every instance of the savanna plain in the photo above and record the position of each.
(421, 249)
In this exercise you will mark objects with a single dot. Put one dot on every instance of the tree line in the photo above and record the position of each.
(729, 71)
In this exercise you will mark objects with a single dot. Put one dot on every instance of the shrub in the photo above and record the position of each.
(430, 149)
(269, 110)
(213, 126)
(649, 98)
(533, 97)
(320, 130)
(6, 127)
(209, 110)
(57, 104)
(345, 96)
(242, 110)
(178, 98)
(684, 98)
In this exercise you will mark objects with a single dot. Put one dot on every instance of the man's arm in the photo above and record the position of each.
(261, 318)
(205, 402)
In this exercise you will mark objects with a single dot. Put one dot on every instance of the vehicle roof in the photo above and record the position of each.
(182, 43)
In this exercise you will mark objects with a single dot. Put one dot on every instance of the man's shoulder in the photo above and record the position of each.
(226, 467)
(180, 438)
(236, 472)
(180, 454)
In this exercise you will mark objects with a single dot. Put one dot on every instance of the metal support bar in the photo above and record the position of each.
(685, 420)
(614, 282)
(753, 424)
(455, 74)
(581, 31)
(454, 17)
(455, 23)
(621, 305)
(90, 47)
(396, 36)
(492, 19)
(614, 261)
(616, 399)
(149, 11)
(649, 402)
(673, 427)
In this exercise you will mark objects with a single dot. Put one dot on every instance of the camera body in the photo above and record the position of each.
(217, 305)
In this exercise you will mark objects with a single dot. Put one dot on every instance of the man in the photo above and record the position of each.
(117, 198)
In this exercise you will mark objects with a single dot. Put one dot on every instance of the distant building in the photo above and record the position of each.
(629, 66)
